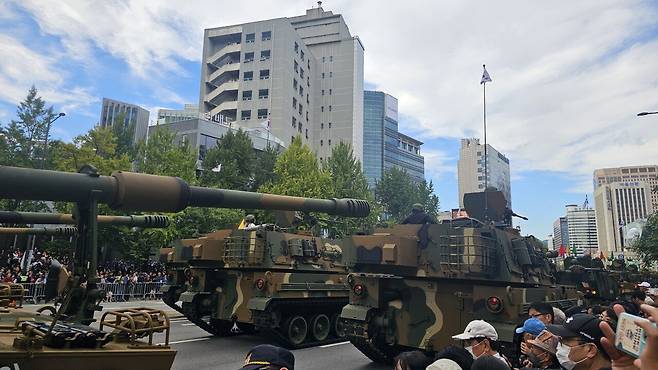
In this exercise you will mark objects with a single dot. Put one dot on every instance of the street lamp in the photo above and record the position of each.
(45, 146)
(645, 113)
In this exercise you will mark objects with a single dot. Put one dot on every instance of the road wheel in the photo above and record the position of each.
(296, 329)
(320, 327)
(338, 326)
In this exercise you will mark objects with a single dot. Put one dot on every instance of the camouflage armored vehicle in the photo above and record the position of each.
(291, 285)
(418, 285)
(597, 284)
(35, 343)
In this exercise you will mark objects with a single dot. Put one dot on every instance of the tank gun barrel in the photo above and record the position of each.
(55, 231)
(150, 221)
(142, 192)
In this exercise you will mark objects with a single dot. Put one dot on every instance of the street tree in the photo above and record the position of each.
(264, 167)
(161, 155)
(348, 181)
(231, 163)
(397, 193)
(125, 136)
(647, 245)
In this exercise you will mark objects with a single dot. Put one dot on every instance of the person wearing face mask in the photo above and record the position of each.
(541, 352)
(480, 338)
(579, 347)
(530, 330)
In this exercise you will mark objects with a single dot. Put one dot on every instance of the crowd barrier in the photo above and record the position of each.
(115, 292)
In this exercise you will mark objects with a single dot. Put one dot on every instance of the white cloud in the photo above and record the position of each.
(22, 67)
(568, 76)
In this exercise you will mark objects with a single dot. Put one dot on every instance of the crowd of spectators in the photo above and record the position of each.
(116, 271)
(581, 338)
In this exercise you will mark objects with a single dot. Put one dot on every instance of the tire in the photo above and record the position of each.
(337, 327)
(296, 330)
(320, 327)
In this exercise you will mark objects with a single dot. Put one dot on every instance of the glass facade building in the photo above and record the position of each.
(384, 147)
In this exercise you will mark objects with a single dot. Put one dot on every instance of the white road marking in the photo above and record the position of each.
(187, 340)
(333, 344)
(189, 324)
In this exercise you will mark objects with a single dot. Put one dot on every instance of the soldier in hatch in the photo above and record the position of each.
(418, 216)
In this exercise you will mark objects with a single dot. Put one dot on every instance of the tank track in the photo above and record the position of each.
(371, 350)
(224, 330)
(292, 306)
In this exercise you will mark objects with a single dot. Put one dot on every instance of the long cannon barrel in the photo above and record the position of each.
(142, 192)
(57, 231)
(150, 221)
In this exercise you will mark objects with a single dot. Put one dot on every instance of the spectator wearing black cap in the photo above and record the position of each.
(268, 357)
(580, 343)
(412, 360)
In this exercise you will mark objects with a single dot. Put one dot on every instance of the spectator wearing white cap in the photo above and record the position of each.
(481, 339)
(644, 287)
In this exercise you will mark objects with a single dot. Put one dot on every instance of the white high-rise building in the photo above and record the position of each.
(470, 170)
(189, 111)
(304, 74)
(647, 174)
(581, 224)
(619, 204)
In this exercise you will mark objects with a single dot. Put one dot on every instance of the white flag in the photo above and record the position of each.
(266, 124)
(485, 76)
(217, 169)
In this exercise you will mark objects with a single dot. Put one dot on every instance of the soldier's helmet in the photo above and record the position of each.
(417, 207)
(249, 218)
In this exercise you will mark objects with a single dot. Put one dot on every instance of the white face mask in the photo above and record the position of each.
(470, 350)
(563, 357)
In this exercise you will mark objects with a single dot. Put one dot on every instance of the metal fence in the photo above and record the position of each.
(115, 292)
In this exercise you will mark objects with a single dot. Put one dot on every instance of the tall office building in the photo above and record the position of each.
(189, 111)
(132, 114)
(304, 74)
(648, 174)
(560, 233)
(384, 146)
(581, 225)
(619, 204)
(470, 170)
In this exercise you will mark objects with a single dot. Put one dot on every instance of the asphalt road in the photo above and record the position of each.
(199, 350)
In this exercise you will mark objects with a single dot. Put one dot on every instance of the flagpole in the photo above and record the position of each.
(486, 182)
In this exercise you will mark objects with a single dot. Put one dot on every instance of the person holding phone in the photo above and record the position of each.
(579, 346)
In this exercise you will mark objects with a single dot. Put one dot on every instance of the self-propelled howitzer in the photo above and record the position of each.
(44, 218)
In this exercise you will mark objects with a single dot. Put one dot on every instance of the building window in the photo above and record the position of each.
(301, 108)
(329, 142)
(294, 103)
(265, 55)
(263, 94)
(301, 73)
(246, 95)
(479, 154)
(307, 133)
(330, 91)
(248, 76)
(322, 108)
(301, 54)
(308, 99)
(292, 138)
(321, 142)
(250, 38)
(264, 74)
(331, 74)
(308, 81)
(296, 47)
(294, 84)
(322, 74)
(306, 116)
(299, 127)
(308, 64)
(323, 60)
(248, 57)
(262, 113)
(321, 126)
(267, 35)
(245, 115)
(322, 92)
(301, 90)
(330, 108)
(331, 58)
(296, 67)
(294, 122)
(329, 124)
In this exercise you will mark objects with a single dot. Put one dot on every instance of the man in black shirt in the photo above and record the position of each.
(418, 216)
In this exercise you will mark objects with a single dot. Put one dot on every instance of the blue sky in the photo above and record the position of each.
(568, 77)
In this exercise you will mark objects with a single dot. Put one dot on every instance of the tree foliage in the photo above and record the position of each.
(160, 155)
(235, 153)
(397, 193)
(647, 245)
(125, 136)
(348, 181)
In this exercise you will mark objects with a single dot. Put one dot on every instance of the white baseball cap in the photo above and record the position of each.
(444, 364)
(478, 329)
(644, 284)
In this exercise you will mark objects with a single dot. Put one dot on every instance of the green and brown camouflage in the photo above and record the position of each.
(24, 218)
(415, 286)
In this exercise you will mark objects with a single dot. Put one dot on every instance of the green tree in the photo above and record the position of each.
(647, 245)
(397, 193)
(160, 155)
(348, 181)
(125, 136)
(25, 137)
(235, 153)
(264, 168)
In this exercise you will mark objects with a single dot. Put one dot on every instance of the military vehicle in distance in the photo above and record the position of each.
(416, 286)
